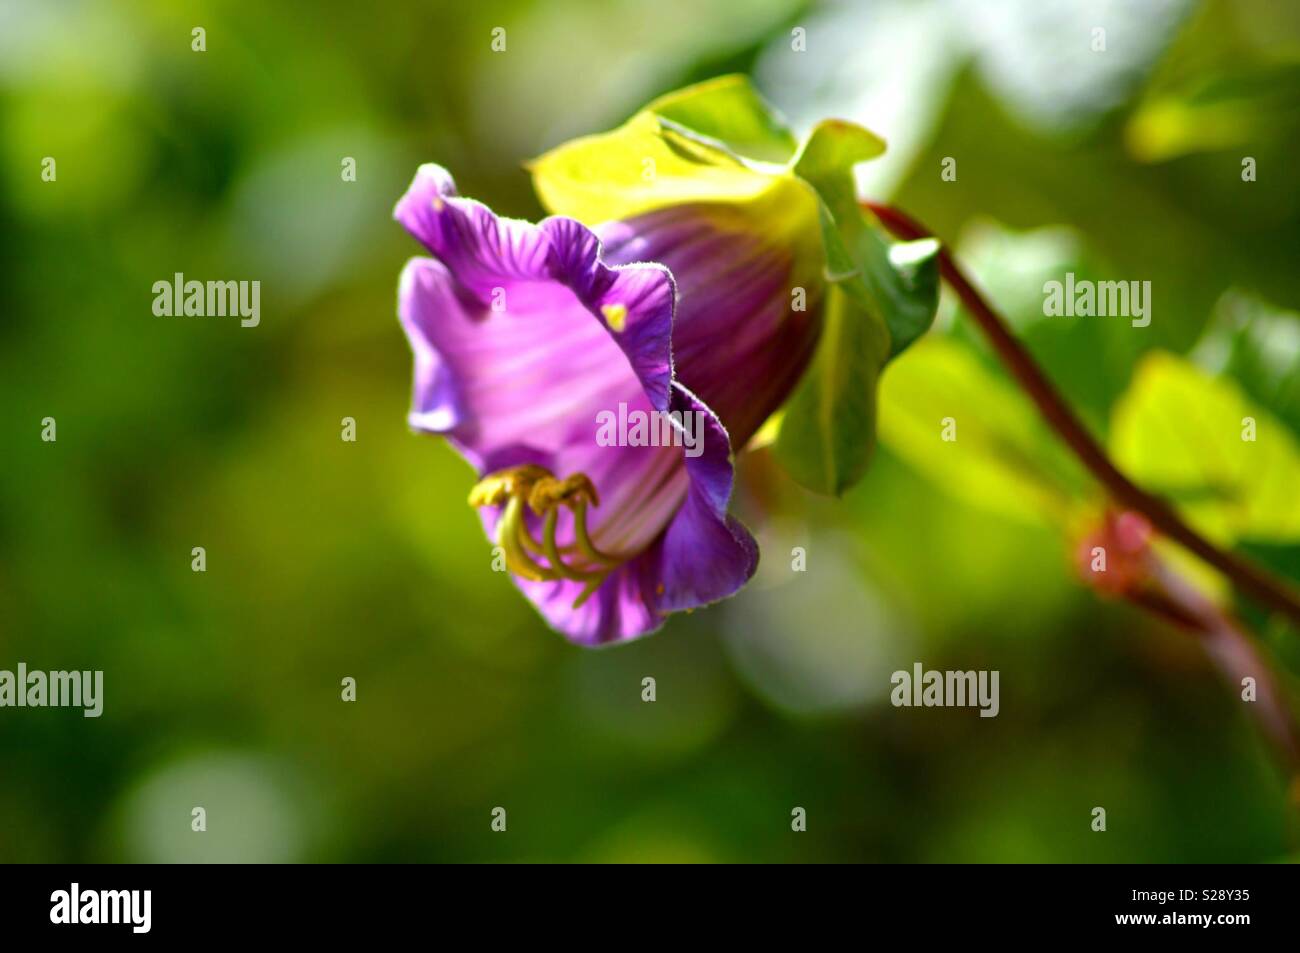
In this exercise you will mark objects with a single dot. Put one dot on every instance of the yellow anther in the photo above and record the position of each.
(496, 488)
(615, 316)
(438, 203)
(544, 494)
(549, 492)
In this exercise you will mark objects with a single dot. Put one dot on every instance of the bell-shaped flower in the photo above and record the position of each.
(527, 347)
(600, 368)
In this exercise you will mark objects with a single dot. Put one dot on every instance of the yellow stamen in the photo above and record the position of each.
(509, 537)
(584, 543)
(544, 494)
(587, 592)
(533, 546)
(553, 553)
(615, 316)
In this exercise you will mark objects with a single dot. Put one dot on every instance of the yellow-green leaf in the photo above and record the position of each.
(971, 432)
(1184, 434)
(730, 112)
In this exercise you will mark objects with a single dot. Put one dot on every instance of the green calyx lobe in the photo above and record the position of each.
(881, 296)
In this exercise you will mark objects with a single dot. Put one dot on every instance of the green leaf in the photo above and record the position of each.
(1182, 433)
(1013, 267)
(998, 454)
(1258, 345)
(827, 432)
(1225, 110)
(730, 112)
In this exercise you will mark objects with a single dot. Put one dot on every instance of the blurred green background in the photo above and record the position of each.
(328, 559)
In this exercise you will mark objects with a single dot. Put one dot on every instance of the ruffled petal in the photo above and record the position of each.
(704, 555)
(479, 247)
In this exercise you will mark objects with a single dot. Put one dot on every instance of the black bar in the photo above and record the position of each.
(334, 902)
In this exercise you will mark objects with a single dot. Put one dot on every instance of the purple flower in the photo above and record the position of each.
(728, 274)
(524, 335)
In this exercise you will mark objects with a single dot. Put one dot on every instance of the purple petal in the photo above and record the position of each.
(704, 555)
(737, 342)
(477, 246)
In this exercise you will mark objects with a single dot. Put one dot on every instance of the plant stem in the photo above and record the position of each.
(1233, 651)
(1253, 580)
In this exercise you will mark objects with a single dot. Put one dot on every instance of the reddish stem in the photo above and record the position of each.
(1253, 580)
